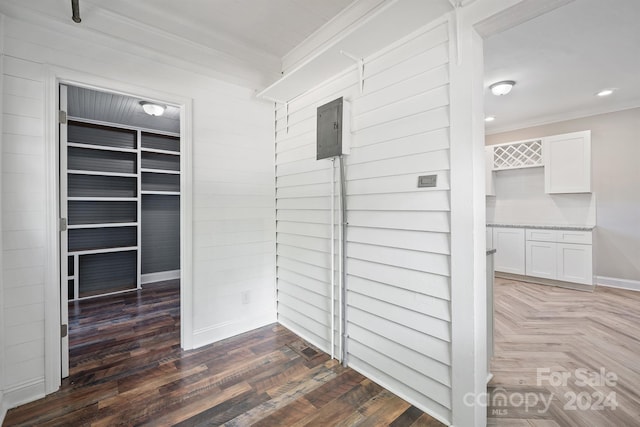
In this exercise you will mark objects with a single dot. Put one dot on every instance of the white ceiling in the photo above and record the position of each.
(270, 26)
(561, 59)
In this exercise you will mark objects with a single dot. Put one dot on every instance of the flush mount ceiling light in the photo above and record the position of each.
(489, 118)
(502, 88)
(605, 92)
(152, 109)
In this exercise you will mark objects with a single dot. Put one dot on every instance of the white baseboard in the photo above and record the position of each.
(3, 408)
(612, 282)
(159, 276)
(20, 394)
(211, 334)
(371, 374)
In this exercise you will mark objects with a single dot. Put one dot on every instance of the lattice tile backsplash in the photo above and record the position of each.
(517, 155)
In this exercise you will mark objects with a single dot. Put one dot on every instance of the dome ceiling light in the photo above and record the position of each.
(502, 88)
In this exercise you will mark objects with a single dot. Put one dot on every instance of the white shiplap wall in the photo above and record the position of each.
(398, 235)
(23, 222)
(233, 217)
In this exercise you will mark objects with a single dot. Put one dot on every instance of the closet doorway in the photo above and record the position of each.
(119, 175)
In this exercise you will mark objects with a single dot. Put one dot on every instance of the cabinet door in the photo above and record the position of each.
(541, 259)
(509, 244)
(567, 163)
(490, 188)
(574, 263)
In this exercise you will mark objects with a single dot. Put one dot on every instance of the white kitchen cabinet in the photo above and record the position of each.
(541, 259)
(574, 263)
(564, 255)
(489, 238)
(490, 188)
(510, 250)
(567, 163)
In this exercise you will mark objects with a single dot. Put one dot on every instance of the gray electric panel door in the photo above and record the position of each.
(329, 129)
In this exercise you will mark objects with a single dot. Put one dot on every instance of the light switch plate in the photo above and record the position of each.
(427, 181)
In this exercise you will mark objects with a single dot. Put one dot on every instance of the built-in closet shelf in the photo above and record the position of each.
(102, 199)
(163, 171)
(119, 180)
(103, 250)
(102, 225)
(101, 173)
(153, 150)
(162, 193)
(101, 147)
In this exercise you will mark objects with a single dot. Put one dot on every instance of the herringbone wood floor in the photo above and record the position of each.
(562, 330)
(127, 368)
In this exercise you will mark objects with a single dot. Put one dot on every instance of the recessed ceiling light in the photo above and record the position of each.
(502, 88)
(152, 109)
(605, 92)
(489, 118)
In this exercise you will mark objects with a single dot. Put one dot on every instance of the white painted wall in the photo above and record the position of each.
(233, 216)
(398, 235)
(520, 199)
(615, 204)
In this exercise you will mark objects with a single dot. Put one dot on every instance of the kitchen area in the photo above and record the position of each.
(541, 211)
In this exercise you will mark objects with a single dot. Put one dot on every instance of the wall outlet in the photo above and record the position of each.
(245, 297)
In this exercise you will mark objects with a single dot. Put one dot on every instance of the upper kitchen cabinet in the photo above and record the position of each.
(490, 188)
(567, 163)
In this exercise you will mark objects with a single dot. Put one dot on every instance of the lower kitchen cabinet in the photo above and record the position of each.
(564, 255)
(509, 257)
(541, 259)
(575, 263)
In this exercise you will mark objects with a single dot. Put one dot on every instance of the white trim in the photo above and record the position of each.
(397, 392)
(59, 75)
(614, 282)
(3, 408)
(221, 331)
(159, 276)
(23, 393)
(555, 118)
(52, 280)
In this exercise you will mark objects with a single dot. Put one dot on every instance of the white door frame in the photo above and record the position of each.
(52, 297)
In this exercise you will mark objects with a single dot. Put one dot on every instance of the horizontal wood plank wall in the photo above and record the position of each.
(23, 224)
(233, 214)
(398, 241)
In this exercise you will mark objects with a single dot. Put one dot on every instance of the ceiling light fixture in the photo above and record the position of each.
(502, 88)
(605, 92)
(489, 118)
(153, 109)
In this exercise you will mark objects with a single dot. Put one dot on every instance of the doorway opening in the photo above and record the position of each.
(120, 210)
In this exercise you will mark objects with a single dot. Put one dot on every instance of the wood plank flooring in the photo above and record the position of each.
(561, 331)
(127, 368)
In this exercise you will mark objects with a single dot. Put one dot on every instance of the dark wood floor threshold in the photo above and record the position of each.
(127, 368)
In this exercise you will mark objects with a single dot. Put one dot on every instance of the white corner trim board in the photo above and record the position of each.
(613, 282)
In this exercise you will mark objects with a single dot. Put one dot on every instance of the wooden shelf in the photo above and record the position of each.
(163, 193)
(102, 199)
(153, 150)
(101, 147)
(100, 173)
(103, 250)
(102, 225)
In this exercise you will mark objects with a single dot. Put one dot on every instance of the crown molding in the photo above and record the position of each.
(110, 29)
(555, 118)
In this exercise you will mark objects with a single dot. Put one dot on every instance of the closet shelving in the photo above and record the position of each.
(110, 168)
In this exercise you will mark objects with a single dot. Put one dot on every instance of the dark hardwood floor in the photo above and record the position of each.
(127, 368)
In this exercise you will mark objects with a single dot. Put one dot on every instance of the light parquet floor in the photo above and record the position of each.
(563, 332)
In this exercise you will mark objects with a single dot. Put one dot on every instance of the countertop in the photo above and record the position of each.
(546, 226)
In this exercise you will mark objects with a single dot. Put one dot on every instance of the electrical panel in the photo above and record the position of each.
(333, 129)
